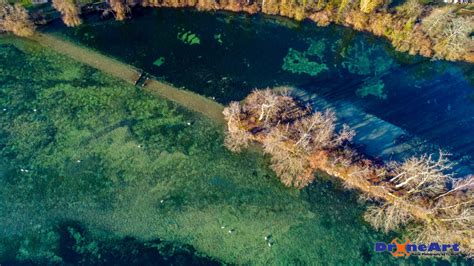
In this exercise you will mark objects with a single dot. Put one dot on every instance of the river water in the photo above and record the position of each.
(93, 170)
(415, 105)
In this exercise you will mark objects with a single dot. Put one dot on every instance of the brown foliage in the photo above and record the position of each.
(291, 132)
(422, 176)
(120, 9)
(237, 137)
(15, 19)
(357, 19)
(322, 18)
(388, 217)
(300, 141)
(450, 33)
(291, 165)
(69, 10)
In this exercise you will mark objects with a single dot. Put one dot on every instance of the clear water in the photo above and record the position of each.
(93, 170)
(430, 100)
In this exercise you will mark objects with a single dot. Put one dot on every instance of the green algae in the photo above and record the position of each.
(127, 164)
(317, 48)
(372, 87)
(189, 38)
(307, 62)
(368, 61)
(158, 62)
(298, 63)
(218, 38)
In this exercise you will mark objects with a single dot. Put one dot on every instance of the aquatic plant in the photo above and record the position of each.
(421, 189)
(317, 48)
(40, 246)
(297, 62)
(126, 163)
(372, 87)
(160, 61)
(218, 38)
(368, 61)
(188, 37)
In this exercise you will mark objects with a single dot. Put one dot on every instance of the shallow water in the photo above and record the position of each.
(432, 101)
(96, 171)
(93, 170)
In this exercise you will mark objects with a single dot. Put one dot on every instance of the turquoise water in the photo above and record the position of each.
(432, 102)
(94, 171)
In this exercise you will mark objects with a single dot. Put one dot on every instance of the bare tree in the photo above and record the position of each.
(268, 105)
(120, 9)
(318, 131)
(466, 183)
(434, 23)
(69, 10)
(315, 131)
(423, 176)
(15, 19)
(289, 163)
(411, 8)
(237, 136)
(450, 32)
(388, 217)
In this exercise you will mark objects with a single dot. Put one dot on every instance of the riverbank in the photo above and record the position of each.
(427, 29)
(409, 29)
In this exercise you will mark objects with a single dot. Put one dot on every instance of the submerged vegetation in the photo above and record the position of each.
(300, 141)
(371, 62)
(188, 37)
(304, 62)
(77, 145)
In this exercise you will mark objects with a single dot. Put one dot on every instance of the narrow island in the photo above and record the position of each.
(419, 194)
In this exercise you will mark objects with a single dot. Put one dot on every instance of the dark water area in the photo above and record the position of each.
(235, 53)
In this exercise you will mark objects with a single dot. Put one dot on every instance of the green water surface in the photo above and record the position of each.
(87, 161)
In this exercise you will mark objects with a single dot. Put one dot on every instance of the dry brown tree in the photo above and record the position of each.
(450, 32)
(388, 217)
(422, 176)
(367, 6)
(269, 107)
(120, 9)
(69, 10)
(15, 19)
(237, 136)
(456, 207)
(289, 162)
(318, 131)
(300, 141)
(291, 132)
